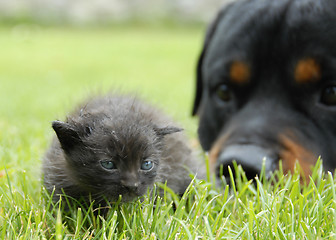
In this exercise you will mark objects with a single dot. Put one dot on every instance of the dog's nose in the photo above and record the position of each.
(249, 156)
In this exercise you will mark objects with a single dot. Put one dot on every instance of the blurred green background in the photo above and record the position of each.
(44, 71)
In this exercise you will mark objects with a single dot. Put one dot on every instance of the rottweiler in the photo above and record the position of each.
(266, 86)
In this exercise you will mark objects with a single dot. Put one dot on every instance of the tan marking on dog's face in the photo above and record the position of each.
(293, 152)
(239, 72)
(215, 151)
(307, 70)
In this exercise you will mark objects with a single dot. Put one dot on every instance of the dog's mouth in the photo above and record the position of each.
(256, 160)
(223, 171)
(250, 157)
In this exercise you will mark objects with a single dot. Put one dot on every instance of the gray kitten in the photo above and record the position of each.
(116, 145)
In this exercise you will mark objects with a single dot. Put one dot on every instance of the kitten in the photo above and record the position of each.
(116, 145)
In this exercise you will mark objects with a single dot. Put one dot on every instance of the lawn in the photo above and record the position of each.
(45, 71)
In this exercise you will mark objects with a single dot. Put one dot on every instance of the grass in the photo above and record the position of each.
(45, 71)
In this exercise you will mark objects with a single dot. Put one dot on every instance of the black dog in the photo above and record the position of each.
(266, 85)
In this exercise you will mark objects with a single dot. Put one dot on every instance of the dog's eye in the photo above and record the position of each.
(223, 92)
(328, 96)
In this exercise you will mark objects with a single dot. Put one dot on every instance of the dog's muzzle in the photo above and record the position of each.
(250, 157)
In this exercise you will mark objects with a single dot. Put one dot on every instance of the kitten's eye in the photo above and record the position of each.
(223, 92)
(108, 164)
(147, 165)
(328, 96)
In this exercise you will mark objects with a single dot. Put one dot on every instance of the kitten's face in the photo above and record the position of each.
(109, 160)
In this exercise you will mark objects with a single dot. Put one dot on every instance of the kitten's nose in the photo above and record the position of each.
(130, 183)
(130, 180)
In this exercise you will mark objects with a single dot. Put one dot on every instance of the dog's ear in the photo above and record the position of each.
(199, 84)
(199, 81)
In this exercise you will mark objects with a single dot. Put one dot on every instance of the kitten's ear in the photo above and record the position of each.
(161, 132)
(66, 134)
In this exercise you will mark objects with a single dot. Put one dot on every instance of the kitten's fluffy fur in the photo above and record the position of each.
(126, 131)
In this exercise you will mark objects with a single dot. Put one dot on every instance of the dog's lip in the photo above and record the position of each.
(250, 156)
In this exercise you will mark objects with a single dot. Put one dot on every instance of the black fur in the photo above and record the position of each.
(126, 131)
(271, 36)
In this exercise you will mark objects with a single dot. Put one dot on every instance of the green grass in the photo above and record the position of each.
(44, 72)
